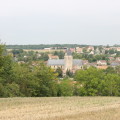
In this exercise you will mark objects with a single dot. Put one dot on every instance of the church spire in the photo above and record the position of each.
(68, 52)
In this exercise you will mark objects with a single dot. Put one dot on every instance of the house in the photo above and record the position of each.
(38, 55)
(25, 56)
(79, 50)
(91, 53)
(111, 58)
(103, 51)
(101, 63)
(107, 49)
(85, 62)
(93, 64)
(97, 51)
(114, 63)
(118, 48)
(21, 62)
(102, 67)
(90, 48)
(113, 54)
(117, 58)
(47, 49)
(53, 56)
(72, 50)
(68, 63)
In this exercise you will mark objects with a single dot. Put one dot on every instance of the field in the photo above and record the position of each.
(41, 50)
(60, 108)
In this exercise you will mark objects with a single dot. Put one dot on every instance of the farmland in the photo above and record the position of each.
(40, 50)
(60, 108)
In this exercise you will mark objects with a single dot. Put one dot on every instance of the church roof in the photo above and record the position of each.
(56, 62)
(76, 62)
(115, 64)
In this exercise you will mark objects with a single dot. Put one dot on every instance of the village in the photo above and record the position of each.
(71, 59)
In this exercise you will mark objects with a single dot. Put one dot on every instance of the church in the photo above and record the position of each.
(68, 63)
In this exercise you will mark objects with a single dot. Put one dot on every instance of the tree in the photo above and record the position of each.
(110, 70)
(44, 56)
(1, 90)
(60, 54)
(69, 73)
(84, 50)
(65, 88)
(112, 86)
(24, 77)
(46, 79)
(90, 81)
(17, 51)
(5, 66)
(12, 90)
(60, 72)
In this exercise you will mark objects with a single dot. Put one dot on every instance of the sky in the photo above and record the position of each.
(92, 22)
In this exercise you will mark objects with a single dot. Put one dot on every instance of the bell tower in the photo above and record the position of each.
(68, 58)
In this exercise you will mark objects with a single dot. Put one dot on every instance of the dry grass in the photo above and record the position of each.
(62, 108)
(41, 50)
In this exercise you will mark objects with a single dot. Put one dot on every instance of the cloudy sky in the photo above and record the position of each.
(60, 21)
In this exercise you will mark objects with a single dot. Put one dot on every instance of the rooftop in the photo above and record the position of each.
(77, 62)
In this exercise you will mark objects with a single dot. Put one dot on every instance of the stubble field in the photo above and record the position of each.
(60, 108)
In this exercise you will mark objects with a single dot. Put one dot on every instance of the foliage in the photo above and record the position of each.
(69, 73)
(47, 80)
(60, 54)
(40, 80)
(59, 72)
(97, 82)
(65, 88)
(41, 46)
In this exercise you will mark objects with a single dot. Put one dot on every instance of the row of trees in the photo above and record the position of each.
(37, 81)
(42, 46)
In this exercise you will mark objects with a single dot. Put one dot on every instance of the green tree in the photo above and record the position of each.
(112, 87)
(12, 90)
(90, 81)
(60, 72)
(69, 73)
(47, 81)
(65, 88)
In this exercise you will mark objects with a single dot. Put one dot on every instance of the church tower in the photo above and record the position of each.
(68, 58)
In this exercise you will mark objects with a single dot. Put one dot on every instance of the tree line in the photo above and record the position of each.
(42, 46)
(27, 80)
